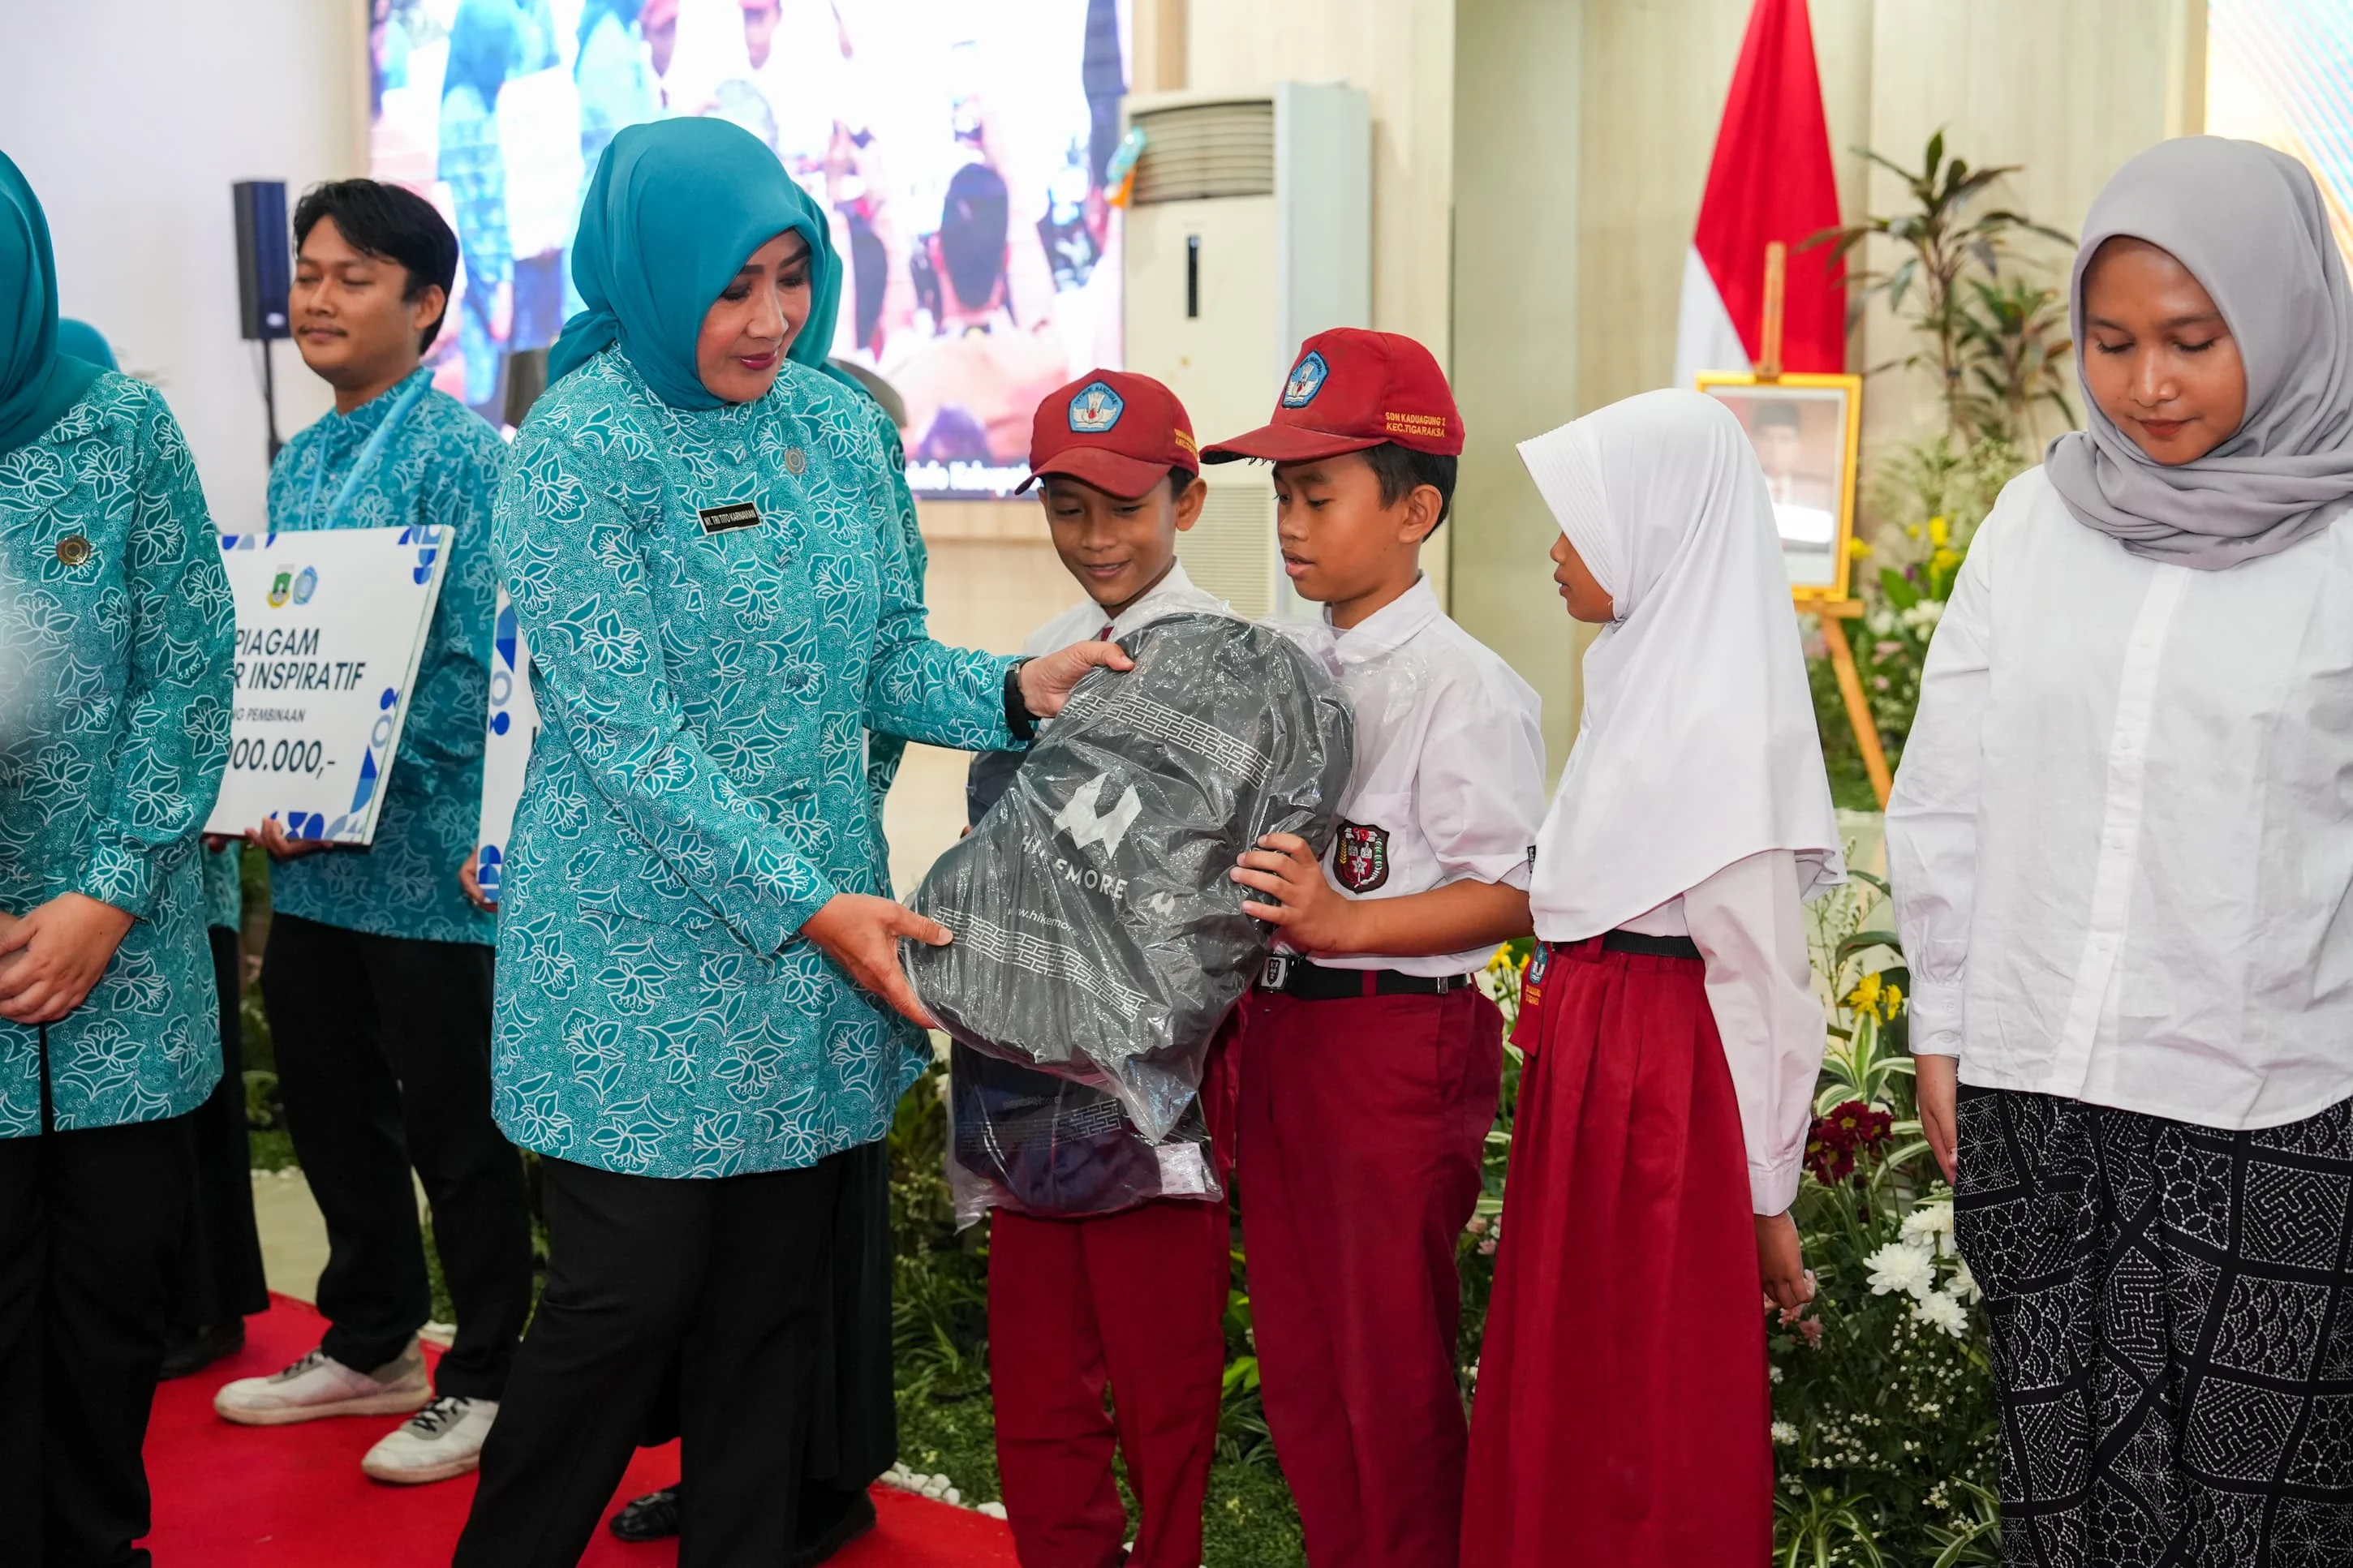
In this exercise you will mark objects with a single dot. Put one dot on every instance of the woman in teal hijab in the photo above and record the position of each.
(115, 635)
(699, 1009)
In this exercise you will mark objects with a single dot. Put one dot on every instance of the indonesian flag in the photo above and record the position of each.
(1770, 180)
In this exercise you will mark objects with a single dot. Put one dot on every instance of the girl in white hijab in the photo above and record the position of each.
(1672, 1033)
(2121, 863)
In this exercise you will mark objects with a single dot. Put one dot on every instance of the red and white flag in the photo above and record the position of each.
(1771, 180)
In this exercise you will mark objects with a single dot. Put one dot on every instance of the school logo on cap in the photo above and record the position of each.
(1306, 381)
(1360, 860)
(1095, 409)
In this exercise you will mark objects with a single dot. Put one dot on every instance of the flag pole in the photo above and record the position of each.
(1777, 288)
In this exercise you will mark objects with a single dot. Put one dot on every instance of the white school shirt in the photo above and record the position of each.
(2119, 839)
(1449, 766)
(1748, 922)
(1085, 621)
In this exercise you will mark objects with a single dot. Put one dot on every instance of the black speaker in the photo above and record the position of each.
(264, 258)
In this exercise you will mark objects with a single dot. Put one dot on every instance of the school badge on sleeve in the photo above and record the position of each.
(1360, 856)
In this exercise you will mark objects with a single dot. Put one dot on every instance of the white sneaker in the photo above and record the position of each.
(319, 1385)
(442, 1440)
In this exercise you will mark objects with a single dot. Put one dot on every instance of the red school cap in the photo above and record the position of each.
(1113, 429)
(1350, 389)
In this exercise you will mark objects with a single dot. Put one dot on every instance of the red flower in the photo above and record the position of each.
(1850, 1130)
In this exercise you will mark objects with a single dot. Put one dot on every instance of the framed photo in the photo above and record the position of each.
(1805, 429)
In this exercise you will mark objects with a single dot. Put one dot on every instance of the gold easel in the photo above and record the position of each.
(1832, 605)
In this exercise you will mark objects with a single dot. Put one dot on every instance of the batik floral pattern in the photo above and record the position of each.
(116, 637)
(441, 469)
(885, 751)
(700, 786)
(224, 889)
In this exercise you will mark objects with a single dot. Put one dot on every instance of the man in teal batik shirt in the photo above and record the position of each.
(376, 978)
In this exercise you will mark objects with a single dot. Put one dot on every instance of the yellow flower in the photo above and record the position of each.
(1857, 549)
(1864, 997)
(1939, 530)
(1945, 559)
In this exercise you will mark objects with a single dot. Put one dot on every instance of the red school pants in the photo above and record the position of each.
(1623, 1416)
(1362, 1125)
(1136, 1300)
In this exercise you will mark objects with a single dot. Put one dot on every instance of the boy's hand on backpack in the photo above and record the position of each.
(1300, 899)
(1782, 1261)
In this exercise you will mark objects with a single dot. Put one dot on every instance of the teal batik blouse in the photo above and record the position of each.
(223, 887)
(706, 684)
(441, 467)
(885, 751)
(116, 640)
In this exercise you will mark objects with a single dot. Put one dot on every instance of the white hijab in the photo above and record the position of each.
(1697, 746)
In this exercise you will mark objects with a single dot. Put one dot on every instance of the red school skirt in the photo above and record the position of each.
(1622, 1413)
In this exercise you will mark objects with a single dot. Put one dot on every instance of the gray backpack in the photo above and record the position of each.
(1098, 934)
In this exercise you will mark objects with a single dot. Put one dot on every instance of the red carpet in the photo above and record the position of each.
(293, 1497)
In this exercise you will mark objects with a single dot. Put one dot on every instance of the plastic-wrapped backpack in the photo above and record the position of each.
(1099, 939)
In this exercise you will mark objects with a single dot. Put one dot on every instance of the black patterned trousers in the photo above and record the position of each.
(2172, 1311)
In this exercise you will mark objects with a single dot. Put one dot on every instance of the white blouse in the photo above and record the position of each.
(1749, 924)
(2119, 839)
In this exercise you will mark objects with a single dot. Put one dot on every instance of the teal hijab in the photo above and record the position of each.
(85, 343)
(673, 209)
(38, 384)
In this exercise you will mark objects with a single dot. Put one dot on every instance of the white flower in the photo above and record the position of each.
(1784, 1432)
(1963, 1284)
(1924, 616)
(1900, 1266)
(994, 1509)
(1931, 1221)
(1943, 1312)
(1774, 1373)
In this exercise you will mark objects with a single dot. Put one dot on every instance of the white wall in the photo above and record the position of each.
(132, 118)
(1517, 170)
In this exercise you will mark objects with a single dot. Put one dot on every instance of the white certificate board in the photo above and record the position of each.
(511, 726)
(329, 627)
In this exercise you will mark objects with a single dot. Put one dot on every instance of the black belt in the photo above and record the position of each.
(1649, 946)
(1294, 976)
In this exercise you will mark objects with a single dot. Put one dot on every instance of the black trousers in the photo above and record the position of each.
(384, 1058)
(88, 1224)
(853, 1435)
(217, 1274)
(2172, 1314)
(729, 1279)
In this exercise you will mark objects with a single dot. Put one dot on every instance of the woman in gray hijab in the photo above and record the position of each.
(2123, 862)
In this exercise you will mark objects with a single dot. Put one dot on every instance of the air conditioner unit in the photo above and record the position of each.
(1249, 228)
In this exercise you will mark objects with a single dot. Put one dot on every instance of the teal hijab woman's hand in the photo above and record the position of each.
(862, 934)
(50, 959)
(1046, 681)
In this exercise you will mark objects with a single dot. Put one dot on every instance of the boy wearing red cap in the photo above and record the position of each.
(1136, 1298)
(1369, 1058)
